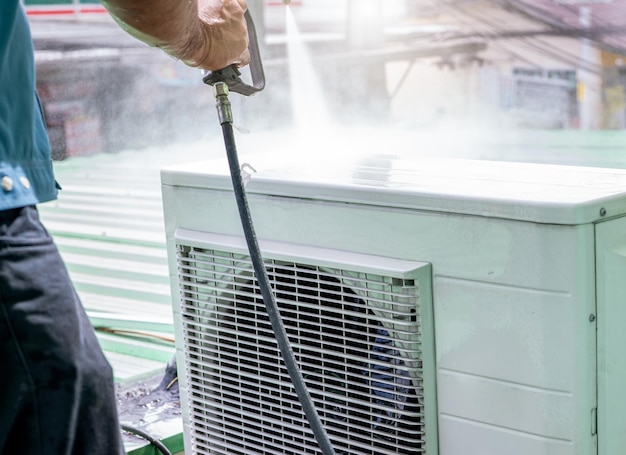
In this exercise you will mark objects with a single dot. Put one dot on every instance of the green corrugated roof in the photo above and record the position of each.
(108, 225)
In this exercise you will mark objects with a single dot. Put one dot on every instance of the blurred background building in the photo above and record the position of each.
(424, 64)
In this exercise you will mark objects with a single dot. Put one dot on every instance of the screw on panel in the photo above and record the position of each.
(602, 211)
(592, 317)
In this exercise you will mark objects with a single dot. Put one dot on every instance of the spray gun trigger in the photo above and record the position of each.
(230, 74)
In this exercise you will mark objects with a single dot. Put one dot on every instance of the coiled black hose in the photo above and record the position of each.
(154, 441)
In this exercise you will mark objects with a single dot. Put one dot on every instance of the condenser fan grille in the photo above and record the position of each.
(357, 337)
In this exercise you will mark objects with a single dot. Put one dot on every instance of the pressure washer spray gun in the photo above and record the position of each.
(231, 74)
(225, 81)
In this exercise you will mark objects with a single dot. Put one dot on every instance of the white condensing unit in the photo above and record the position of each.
(434, 306)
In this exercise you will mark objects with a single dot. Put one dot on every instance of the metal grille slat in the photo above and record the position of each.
(253, 378)
(357, 338)
(204, 392)
(268, 336)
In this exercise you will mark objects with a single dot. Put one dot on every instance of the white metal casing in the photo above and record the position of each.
(513, 253)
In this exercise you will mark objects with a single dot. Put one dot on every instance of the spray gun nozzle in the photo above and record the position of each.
(220, 89)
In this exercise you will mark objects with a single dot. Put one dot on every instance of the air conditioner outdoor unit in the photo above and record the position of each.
(450, 307)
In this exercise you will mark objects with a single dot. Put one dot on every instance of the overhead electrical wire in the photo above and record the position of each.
(494, 32)
(565, 23)
(599, 31)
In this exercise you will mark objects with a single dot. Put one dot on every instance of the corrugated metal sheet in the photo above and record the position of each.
(108, 225)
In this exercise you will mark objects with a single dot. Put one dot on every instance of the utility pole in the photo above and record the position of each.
(585, 95)
(589, 90)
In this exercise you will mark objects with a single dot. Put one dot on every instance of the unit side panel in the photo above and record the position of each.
(501, 345)
(479, 319)
(611, 248)
(499, 440)
(516, 363)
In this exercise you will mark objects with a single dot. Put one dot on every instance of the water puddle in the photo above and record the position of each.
(152, 406)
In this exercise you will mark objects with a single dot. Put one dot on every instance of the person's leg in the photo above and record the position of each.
(56, 390)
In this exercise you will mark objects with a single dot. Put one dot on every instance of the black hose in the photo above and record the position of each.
(268, 296)
(154, 441)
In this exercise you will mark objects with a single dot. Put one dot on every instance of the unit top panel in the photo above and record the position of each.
(542, 193)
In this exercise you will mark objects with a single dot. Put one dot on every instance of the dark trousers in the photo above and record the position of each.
(56, 387)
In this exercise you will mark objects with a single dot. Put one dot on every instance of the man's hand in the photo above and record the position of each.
(225, 37)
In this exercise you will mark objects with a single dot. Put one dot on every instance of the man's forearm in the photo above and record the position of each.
(168, 24)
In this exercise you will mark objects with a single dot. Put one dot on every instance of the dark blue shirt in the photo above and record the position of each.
(26, 176)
